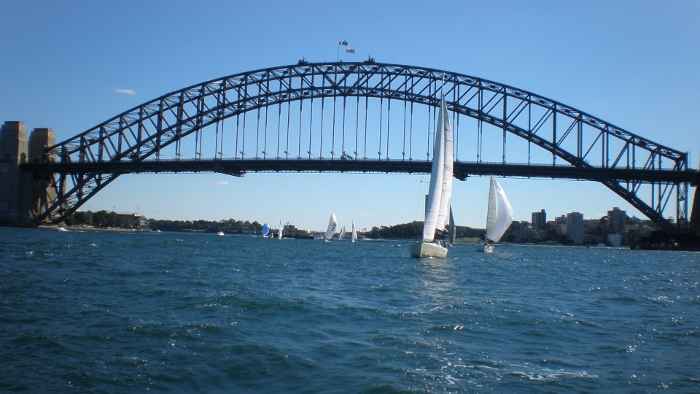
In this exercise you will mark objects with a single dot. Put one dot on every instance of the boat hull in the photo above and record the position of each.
(423, 249)
(484, 248)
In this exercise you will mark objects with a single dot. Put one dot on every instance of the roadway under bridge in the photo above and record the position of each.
(363, 117)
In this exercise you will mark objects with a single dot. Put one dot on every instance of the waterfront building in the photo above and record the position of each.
(574, 227)
(539, 219)
(614, 239)
(617, 221)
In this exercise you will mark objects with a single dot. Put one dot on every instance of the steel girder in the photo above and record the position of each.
(581, 141)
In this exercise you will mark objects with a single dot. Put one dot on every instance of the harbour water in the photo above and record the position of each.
(109, 312)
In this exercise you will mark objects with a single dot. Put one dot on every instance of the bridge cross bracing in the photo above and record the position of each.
(365, 117)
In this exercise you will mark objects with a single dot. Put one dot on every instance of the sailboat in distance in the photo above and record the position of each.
(281, 229)
(332, 225)
(440, 192)
(499, 215)
(342, 233)
(353, 235)
(265, 230)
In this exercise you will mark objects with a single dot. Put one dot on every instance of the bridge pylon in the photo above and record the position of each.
(23, 195)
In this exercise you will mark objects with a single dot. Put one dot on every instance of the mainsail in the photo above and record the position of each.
(440, 192)
(332, 225)
(281, 229)
(500, 213)
(342, 233)
(353, 236)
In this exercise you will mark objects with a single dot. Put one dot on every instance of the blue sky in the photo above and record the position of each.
(71, 65)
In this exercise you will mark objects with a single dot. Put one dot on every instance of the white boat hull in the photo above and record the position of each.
(423, 249)
(484, 248)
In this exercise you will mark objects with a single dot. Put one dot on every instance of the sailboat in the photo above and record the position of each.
(332, 225)
(440, 192)
(452, 229)
(281, 229)
(498, 216)
(353, 235)
(342, 233)
(265, 230)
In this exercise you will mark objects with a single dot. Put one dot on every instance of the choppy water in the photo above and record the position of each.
(170, 312)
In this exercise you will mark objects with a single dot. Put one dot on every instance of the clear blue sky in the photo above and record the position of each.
(70, 65)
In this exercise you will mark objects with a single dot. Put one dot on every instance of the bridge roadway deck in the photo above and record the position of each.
(239, 167)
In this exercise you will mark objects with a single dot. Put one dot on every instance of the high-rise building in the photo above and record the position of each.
(574, 227)
(539, 219)
(617, 221)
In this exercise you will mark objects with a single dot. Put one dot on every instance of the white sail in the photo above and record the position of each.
(281, 229)
(504, 213)
(332, 225)
(448, 159)
(353, 236)
(342, 233)
(437, 176)
(491, 209)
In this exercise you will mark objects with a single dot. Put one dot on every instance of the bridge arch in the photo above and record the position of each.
(318, 117)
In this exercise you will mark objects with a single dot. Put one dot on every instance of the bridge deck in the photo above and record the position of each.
(462, 170)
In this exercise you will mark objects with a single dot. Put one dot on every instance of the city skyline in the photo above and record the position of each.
(71, 66)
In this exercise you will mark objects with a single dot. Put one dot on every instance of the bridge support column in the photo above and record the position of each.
(22, 196)
(695, 212)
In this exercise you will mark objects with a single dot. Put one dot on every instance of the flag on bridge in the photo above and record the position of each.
(342, 42)
(349, 50)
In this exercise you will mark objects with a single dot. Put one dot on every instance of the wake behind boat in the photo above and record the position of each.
(440, 192)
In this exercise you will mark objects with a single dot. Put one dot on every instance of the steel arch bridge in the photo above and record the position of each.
(363, 117)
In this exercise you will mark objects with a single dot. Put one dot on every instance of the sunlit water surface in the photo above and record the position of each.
(110, 312)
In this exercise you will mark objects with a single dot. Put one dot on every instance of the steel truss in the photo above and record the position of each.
(580, 145)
